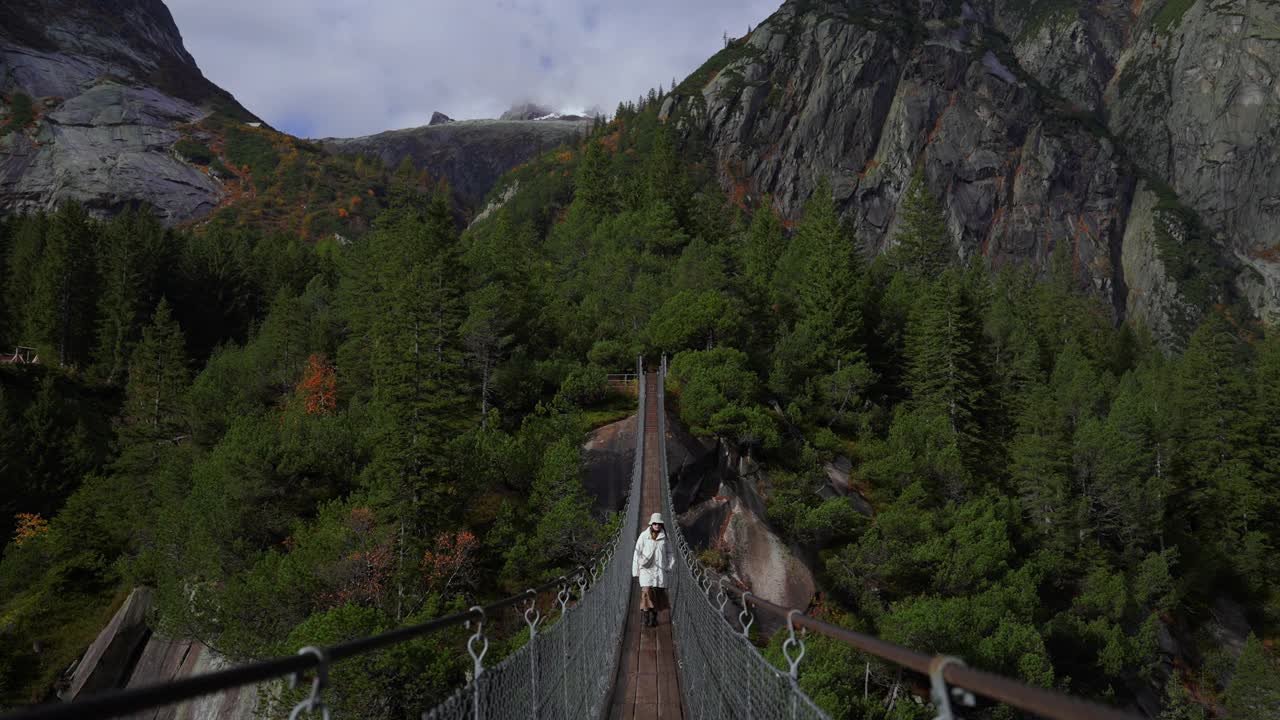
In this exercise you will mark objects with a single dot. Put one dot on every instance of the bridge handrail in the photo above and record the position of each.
(124, 702)
(944, 670)
(118, 703)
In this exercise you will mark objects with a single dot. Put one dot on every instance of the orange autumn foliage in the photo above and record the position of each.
(364, 577)
(319, 387)
(30, 527)
(452, 558)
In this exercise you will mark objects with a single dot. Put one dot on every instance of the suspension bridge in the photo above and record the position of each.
(597, 661)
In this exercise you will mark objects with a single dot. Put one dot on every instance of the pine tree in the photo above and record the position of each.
(923, 243)
(22, 262)
(664, 179)
(131, 251)
(764, 245)
(1254, 693)
(1040, 466)
(823, 272)
(1220, 494)
(62, 310)
(154, 409)
(944, 355)
(53, 455)
(1267, 415)
(419, 378)
(1177, 702)
(593, 184)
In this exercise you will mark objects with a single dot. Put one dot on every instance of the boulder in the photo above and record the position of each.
(609, 456)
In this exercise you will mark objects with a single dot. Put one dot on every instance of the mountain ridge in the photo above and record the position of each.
(1025, 140)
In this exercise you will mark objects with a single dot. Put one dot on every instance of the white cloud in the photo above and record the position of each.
(343, 68)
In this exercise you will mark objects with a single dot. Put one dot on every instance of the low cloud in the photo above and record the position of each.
(339, 68)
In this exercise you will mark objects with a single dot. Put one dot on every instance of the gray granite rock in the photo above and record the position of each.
(1034, 124)
(470, 154)
(112, 85)
(108, 147)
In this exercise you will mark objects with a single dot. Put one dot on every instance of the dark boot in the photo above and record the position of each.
(644, 618)
(651, 618)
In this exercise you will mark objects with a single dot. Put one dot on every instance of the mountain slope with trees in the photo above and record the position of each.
(302, 442)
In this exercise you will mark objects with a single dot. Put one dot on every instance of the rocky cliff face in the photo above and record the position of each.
(1036, 123)
(94, 94)
(470, 154)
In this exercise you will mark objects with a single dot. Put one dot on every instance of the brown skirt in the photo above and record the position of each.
(653, 598)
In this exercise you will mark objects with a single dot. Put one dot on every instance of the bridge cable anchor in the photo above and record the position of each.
(314, 703)
(563, 596)
(532, 615)
(745, 618)
(940, 693)
(792, 642)
(476, 638)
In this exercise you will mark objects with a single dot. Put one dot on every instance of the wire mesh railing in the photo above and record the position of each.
(723, 675)
(567, 671)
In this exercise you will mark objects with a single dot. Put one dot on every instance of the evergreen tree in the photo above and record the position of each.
(593, 184)
(923, 243)
(131, 253)
(65, 286)
(1254, 693)
(944, 351)
(1177, 702)
(419, 379)
(1219, 495)
(22, 264)
(764, 245)
(663, 176)
(56, 451)
(154, 409)
(1267, 418)
(822, 269)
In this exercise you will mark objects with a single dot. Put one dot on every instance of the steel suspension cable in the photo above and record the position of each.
(556, 674)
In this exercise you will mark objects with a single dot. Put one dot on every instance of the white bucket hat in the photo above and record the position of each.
(656, 518)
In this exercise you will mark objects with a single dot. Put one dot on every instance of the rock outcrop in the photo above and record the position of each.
(526, 111)
(126, 654)
(470, 154)
(1034, 123)
(108, 86)
(608, 457)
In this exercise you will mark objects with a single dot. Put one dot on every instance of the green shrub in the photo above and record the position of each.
(21, 113)
(246, 148)
(584, 386)
(1170, 16)
(194, 151)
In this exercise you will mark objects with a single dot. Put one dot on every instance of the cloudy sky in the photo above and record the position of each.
(319, 68)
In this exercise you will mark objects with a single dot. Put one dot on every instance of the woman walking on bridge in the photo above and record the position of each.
(650, 564)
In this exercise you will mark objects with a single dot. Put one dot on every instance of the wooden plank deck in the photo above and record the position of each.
(647, 685)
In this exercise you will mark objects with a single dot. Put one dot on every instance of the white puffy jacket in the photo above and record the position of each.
(652, 560)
